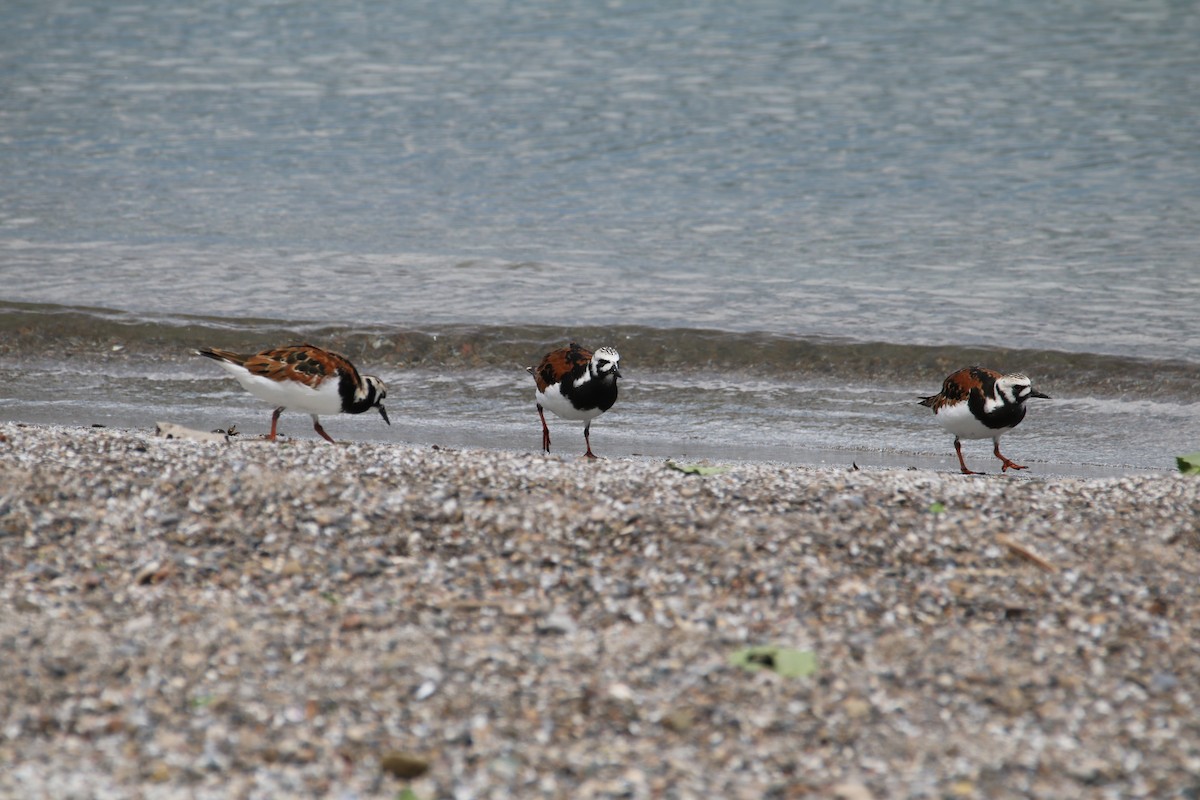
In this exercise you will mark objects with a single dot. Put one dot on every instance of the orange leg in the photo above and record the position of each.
(545, 430)
(274, 422)
(1008, 463)
(963, 464)
(317, 427)
(587, 429)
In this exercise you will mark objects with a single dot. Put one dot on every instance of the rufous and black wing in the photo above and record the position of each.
(559, 365)
(960, 385)
(303, 363)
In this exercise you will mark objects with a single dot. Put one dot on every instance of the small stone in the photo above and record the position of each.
(851, 791)
(856, 707)
(620, 691)
(1163, 682)
(1088, 769)
(558, 622)
(353, 622)
(145, 574)
(405, 766)
(680, 720)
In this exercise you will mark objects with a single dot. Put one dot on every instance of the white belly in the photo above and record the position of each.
(296, 396)
(959, 421)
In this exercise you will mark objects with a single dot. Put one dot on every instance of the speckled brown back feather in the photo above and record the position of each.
(958, 386)
(560, 364)
(304, 363)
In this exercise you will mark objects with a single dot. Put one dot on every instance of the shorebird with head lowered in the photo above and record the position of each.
(576, 384)
(306, 378)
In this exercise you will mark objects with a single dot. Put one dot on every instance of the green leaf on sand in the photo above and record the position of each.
(696, 469)
(937, 507)
(407, 794)
(787, 661)
(1189, 464)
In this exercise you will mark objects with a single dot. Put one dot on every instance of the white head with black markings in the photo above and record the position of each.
(1015, 389)
(606, 362)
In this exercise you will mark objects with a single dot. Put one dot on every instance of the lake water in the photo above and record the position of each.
(791, 218)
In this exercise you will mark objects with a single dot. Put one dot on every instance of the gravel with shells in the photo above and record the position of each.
(249, 620)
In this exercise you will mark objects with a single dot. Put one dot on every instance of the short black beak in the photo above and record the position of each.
(383, 413)
(1039, 394)
(616, 373)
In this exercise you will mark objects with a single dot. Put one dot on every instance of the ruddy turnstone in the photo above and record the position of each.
(306, 378)
(980, 403)
(576, 384)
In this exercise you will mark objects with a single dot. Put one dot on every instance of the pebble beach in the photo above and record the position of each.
(239, 619)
